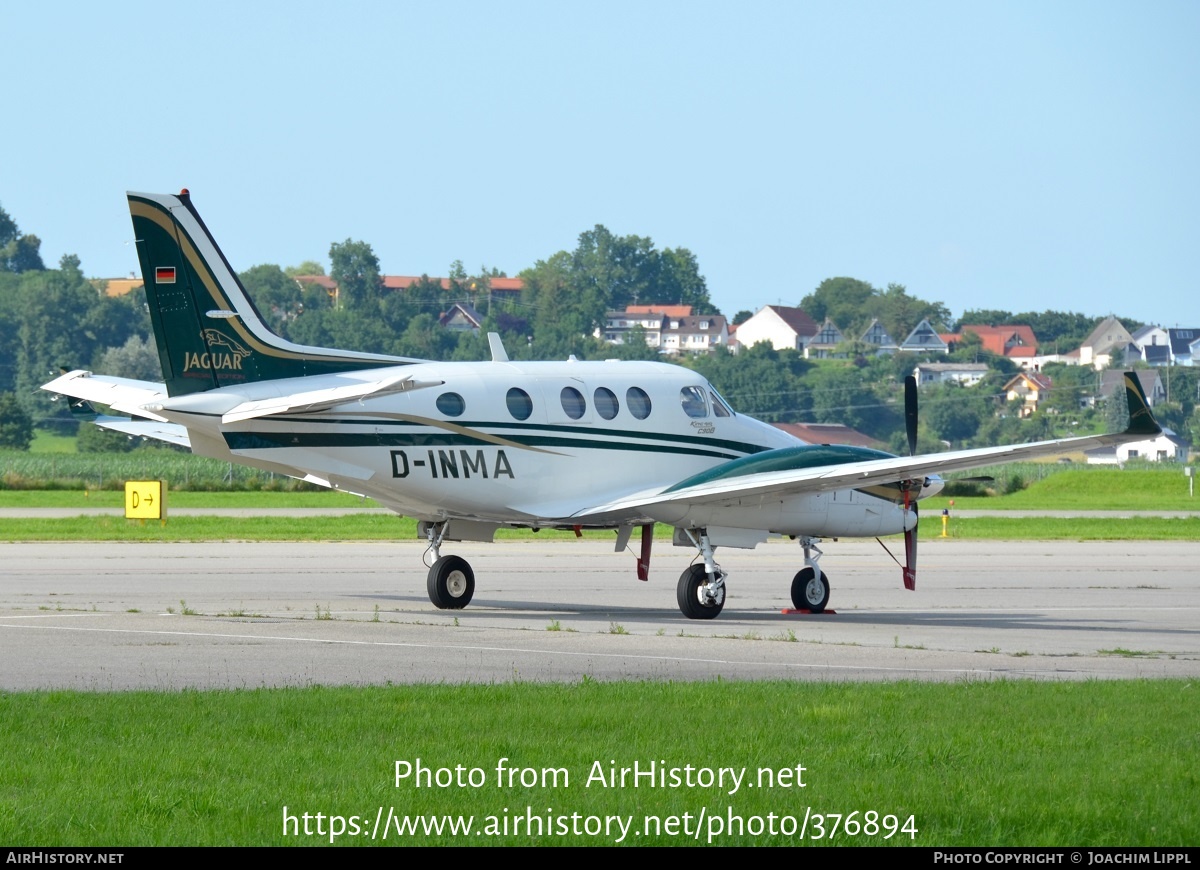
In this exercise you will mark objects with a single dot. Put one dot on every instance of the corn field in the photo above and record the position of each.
(99, 471)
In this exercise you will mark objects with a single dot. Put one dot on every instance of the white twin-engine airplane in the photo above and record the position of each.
(469, 447)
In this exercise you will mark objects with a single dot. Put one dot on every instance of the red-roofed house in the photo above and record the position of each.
(500, 287)
(1015, 341)
(668, 310)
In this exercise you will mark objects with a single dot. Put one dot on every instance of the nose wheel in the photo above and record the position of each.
(810, 590)
(701, 595)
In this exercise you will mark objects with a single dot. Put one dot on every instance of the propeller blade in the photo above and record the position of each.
(910, 413)
(910, 555)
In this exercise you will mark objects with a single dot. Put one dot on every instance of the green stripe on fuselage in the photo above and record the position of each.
(274, 440)
(504, 430)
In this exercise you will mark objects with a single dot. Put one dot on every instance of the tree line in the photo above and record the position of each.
(54, 319)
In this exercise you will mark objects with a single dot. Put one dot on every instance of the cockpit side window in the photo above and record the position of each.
(692, 399)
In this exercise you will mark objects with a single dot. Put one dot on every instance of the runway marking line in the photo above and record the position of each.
(501, 649)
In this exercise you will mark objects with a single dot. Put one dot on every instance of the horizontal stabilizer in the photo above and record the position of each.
(120, 394)
(320, 400)
(172, 433)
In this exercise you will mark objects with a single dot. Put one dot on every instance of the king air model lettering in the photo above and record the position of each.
(451, 465)
(668, 449)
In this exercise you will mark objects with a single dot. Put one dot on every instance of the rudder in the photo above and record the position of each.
(208, 332)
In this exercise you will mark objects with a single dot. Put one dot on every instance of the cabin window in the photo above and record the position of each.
(451, 404)
(606, 403)
(638, 402)
(519, 403)
(692, 399)
(573, 403)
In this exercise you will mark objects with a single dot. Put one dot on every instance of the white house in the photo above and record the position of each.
(824, 344)
(1107, 342)
(1185, 343)
(1164, 447)
(785, 328)
(924, 339)
(673, 329)
(967, 374)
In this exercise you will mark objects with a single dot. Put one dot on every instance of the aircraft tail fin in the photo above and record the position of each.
(1141, 420)
(208, 332)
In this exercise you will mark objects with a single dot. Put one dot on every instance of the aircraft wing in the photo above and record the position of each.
(120, 394)
(737, 481)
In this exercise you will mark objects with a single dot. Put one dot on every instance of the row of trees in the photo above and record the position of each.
(55, 318)
(852, 304)
(565, 299)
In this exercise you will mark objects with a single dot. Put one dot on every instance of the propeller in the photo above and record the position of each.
(910, 413)
(910, 537)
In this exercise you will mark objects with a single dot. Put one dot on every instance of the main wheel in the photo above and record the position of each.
(694, 600)
(451, 583)
(810, 592)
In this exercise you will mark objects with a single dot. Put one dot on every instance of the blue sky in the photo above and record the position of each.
(1011, 155)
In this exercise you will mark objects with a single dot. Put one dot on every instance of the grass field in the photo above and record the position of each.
(80, 498)
(1050, 487)
(985, 763)
(388, 527)
(1090, 489)
(1103, 489)
(975, 763)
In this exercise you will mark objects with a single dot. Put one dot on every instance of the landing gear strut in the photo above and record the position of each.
(701, 589)
(810, 586)
(451, 582)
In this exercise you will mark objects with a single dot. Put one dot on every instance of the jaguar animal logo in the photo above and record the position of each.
(224, 354)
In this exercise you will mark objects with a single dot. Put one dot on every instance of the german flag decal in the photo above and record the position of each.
(164, 275)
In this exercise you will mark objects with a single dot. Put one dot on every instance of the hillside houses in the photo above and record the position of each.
(673, 329)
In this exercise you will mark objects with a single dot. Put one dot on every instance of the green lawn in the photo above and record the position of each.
(1090, 489)
(975, 763)
(80, 498)
(45, 441)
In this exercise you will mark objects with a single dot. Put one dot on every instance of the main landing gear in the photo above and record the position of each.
(451, 582)
(701, 589)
